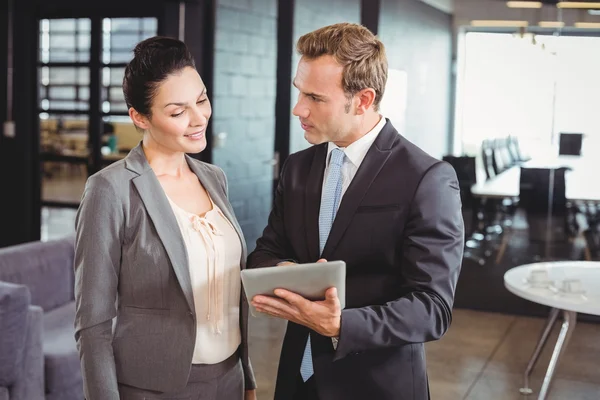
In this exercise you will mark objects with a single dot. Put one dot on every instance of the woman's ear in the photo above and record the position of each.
(138, 119)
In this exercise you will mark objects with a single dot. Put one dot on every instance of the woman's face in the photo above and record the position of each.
(179, 114)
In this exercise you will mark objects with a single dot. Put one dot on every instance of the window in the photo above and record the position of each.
(119, 37)
(533, 87)
(65, 73)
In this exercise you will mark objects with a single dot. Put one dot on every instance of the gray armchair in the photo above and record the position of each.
(21, 356)
(38, 353)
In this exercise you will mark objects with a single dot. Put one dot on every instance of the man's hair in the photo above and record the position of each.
(355, 48)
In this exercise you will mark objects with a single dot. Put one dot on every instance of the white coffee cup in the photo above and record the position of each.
(539, 278)
(572, 286)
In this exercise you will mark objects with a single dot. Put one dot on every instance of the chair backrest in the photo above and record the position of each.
(570, 144)
(46, 268)
(487, 156)
(512, 146)
(501, 155)
(515, 149)
(465, 169)
(466, 173)
(535, 189)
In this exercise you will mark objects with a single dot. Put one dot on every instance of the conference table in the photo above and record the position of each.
(581, 178)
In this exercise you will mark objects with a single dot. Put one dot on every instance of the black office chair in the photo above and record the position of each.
(465, 168)
(535, 194)
(487, 156)
(592, 234)
(535, 191)
(570, 144)
(497, 211)
(515, 150)
(502, 160)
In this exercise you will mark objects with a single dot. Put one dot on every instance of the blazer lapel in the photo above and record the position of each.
(160, 212)
(210, 182)
(314, 187)
(366, 174)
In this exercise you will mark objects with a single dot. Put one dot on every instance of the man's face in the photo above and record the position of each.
(323, 108)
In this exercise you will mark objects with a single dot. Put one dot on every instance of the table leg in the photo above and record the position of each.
(566, 331)
(538, 350)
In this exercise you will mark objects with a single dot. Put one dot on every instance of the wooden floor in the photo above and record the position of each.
(482, 357)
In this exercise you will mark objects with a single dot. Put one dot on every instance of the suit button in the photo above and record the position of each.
(191, 314)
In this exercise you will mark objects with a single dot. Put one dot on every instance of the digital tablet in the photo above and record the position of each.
(311, 281)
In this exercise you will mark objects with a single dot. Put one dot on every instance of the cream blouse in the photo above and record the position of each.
(214, 253)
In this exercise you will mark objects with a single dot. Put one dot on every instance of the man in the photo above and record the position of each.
(366, 195)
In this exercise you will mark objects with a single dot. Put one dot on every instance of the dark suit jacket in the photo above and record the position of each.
(131, 265)
(399, 229)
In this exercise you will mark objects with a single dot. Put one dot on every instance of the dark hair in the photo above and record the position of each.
(154, 59)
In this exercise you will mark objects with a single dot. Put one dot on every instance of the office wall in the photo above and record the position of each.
(244, 106)
(418, 40)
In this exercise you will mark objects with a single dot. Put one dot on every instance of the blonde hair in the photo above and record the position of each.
(354, 47)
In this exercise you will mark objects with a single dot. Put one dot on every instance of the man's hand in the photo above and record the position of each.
(250, 395)
(323, 317)
(283, 264)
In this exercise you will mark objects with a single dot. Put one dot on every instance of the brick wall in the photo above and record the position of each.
(308, 16)
(244, 106)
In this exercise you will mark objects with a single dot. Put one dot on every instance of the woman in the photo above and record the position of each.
(158, 247)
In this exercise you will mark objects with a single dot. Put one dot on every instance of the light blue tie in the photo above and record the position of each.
(330, 200)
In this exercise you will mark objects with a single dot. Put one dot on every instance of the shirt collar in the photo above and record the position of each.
(357, 151)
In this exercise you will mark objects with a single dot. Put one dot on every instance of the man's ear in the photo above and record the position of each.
(366, 98)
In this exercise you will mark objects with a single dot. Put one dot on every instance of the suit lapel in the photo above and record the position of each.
(314, 187)
(210, 181)
(162, 216)
(366, 174)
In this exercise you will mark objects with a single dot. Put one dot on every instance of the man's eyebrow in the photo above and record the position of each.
(319, 96)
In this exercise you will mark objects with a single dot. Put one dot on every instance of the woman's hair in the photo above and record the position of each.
(154, 60)
(354, 47)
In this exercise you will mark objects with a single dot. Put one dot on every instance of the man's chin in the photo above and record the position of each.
(313, 139)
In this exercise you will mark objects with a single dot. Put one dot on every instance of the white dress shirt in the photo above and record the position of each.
(355, 154)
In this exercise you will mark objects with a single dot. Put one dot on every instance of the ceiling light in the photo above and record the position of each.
(499, 23)
(587, 25)
(551, 24)
(577, 4)
(524, 4)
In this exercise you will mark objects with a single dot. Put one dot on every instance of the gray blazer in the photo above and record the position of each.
(131, 263)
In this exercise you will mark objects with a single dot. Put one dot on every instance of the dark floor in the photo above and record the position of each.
(481, 287)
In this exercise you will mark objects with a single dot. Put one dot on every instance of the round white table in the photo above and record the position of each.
(568, 287)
